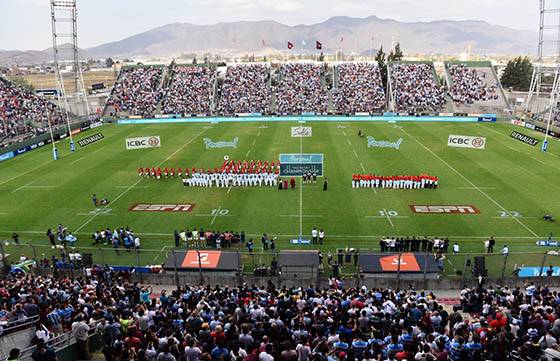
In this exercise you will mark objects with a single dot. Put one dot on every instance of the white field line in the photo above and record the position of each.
(357, 157)
(22, 174)
(337, 236)
(77, 160)
(229, 190)
(538, 160)
(212, 215)
(247, 154)
(301, 194)
(254, 141)
(505, 135)
(302, 215)
(139, 180)
(23, 186)
(89, 214)
(478, 188)
(498, 217)
(159, 253)
(215, 215)
(468, 181)
(40, 187)
(388, 218)
(134, 187)
(98, 150)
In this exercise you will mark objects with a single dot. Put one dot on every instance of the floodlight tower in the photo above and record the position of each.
(545, 79)
(65, 54)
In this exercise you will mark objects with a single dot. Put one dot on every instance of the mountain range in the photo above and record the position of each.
(349, 34)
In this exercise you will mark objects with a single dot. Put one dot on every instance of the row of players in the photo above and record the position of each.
(158, 173)
(394, 182)
(231, 179)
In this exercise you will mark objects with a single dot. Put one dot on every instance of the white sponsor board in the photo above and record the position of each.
(143, 142)
(466, 141)
(301, 132)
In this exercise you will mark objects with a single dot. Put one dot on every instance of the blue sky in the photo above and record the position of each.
(25, 24)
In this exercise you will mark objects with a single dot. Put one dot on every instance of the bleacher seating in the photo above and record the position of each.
(360, 88)
(189, 91)
(23, 114)
(415, 88)
(301, 89)
(136, 91)
(245, 90)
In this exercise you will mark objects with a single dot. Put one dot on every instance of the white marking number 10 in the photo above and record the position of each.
(219, 212)
(390, 213)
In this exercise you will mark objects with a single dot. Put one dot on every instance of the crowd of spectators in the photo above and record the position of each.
(269, 323)
(468, 85)
(190, 90)
(301, 89)
(24, 114)
(136, 91)
(415, 88)
(245, 90)
(360, 88)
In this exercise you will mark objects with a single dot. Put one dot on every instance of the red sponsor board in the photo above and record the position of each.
(408, 263)
(208, 259)
(164, 207)
(444, 209)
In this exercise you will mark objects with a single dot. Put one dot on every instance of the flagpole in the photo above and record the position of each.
(371, 47)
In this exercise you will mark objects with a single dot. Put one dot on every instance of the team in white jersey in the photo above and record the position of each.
(198, 179)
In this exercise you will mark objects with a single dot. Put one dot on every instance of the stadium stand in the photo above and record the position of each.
(474, 88)
(415, 88)
(359, 89)
(136, 91)
(24, 115)
(301, 89)
(246, 90)
(300, 323)
(190, 91)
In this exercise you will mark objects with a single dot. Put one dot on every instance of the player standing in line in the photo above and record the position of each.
(321, 236)
(314, 235)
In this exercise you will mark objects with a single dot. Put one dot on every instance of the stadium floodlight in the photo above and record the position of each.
(545, 80)
(65, 53)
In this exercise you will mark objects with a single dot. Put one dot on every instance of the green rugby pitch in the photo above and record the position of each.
(511, 183)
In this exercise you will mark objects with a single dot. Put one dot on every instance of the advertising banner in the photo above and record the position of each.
(143, 142)
(91, 139)
(301, 132)
(466, 141)
(524, 138)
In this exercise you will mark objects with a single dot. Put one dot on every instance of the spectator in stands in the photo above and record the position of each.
(468, 86)
(415, 88)
(24, 115)
(136, 91)
(190, 91)
(246, 90)
(301, 89)
(359, 89)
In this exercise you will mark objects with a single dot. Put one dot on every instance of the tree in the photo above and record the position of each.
(381, 61)
(396, 54)
(22, 83)
(322, 57)
(194, 60)
(109, 63)
(517, 74)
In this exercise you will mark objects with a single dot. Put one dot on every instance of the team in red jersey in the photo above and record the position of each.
(231, 173)
(395, 181)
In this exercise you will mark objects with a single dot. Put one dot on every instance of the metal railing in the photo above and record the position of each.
(18, 325)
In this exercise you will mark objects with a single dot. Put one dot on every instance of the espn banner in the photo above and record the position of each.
(524, 138)
(444, 209)
(91, 139)
(143, 142)
(466, 141)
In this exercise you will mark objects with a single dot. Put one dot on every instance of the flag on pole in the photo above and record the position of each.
(290, 45)
(341, 39)
(318, 45)
(264, 44)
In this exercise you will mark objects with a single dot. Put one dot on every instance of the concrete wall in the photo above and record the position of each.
(20, 339)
